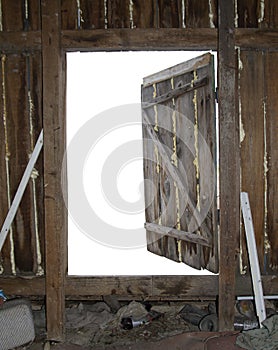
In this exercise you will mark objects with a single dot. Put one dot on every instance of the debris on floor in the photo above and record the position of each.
(110, 324)
(265, 338)
(107, 328)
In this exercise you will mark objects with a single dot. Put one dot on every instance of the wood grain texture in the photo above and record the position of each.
(54, 148)
(251, 91)
(169, 14)
(34, 9)
(68, 14)
(135, 287)
(270, 18)
(229, 165)
(145, 14)
(271, 72)
(10, 21)
(17, 142)
(93, 14)
(197, 14)
(118, 15)
(20, 15)
(5, 253)
(247, 13)
(17, 42)
(181, 120)
(139, 39)
(162, 39)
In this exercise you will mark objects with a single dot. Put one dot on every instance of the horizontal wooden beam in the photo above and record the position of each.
(253, 38)
(163, 39)
(156, 287)
(23, 286)
(160, 287)
(140, 39)
(20, 41)
(135, 287)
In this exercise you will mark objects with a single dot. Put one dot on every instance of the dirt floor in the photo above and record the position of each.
(165, 325)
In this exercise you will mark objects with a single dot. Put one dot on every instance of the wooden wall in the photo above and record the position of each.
(258, 151)
(34, 36)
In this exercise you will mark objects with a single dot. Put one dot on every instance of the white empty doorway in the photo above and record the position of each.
(98, 86)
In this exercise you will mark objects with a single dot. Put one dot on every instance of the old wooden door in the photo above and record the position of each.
(179, 141)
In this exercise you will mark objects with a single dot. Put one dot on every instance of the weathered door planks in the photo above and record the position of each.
(177, 123)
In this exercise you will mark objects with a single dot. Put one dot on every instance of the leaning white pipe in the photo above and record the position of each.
(253, 257)
(267, 297)
(20, 191)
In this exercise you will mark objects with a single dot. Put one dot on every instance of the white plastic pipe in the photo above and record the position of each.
(253, 257)
(20, 191)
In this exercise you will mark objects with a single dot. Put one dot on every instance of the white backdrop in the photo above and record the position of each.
(97, 82)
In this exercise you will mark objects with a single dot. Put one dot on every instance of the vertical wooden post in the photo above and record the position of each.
(229, 164)
(54, 147)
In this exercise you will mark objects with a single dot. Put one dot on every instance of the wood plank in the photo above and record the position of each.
(179, 234)
(17, 123)
(135, 287)
(34, 84)
(229, 165)
(175, 175)
(160, 287)
(181, 68)
(54, 148)
(197, 14)
(247, 11)
(271, 72)
(270, 14)
(168, 287)
(145, 14)
(4, 185)
(139, 39)
(207, 162)
(151, 188)
(251, 92)
(174, 39)
(169, 15)
(93, 14)
(22, 100)
(118, 15)
(20, 41)
(10, 21)
(191, 254)
(175, 93)
(69, 14)
(163, 39)
(256, 38)
(163, 130)
(174, 88)
(23, 286)
(34, 15)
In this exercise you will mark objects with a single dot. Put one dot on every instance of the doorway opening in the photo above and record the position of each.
(100, 86)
